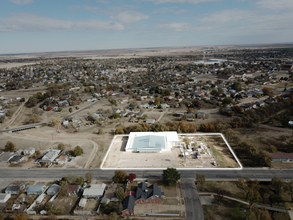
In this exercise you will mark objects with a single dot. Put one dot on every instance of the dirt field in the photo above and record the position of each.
(45, 137)
(118, 158)
(66, 203)
(221, 152)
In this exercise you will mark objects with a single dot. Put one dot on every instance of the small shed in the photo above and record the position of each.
(150, 121)
(4, 197)
(29, 151)
(82, 203)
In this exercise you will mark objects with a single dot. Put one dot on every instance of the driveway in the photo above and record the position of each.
(194, 210)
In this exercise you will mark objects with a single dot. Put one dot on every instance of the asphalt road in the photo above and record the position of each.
(44, 173)
(194, 210)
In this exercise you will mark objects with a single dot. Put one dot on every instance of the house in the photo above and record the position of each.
(14, 189)
(29, 151)
(73, 189)
(165, 105)
(53, 189)
(16, 159)
(145, 194)
(4, 197)
(128, 205)
(282, 156)
(6, 156)
(35, 189)
(50, 156)
(96, 191)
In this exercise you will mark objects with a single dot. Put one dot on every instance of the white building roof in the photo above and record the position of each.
(95, 190)
(151, 141)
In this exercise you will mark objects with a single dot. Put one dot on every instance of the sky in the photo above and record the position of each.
(28, 26)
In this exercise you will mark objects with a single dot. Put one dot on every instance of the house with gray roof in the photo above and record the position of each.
(145, 194)
(14, 189)
(35, 189)
(128, 205)
(6, 156)
(53, 189)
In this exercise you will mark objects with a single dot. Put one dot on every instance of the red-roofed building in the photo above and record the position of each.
(131, 193)
(282, 156)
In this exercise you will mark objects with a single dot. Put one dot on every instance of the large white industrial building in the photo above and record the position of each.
(151, 142)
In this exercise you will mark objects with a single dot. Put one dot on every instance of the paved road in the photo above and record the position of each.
(224, 175)
(194, 210)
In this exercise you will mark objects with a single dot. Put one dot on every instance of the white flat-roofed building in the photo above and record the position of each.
(151, 142)
(96, 191)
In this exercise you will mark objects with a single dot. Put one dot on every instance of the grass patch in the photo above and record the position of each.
(227, 210)
(170, 202)
(281, 165)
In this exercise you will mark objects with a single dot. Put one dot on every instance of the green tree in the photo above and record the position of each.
(250, 187)
(89, 176)
(113, 216)
(267, 91)
(201, 180)
(237, 86)
(21, 216)
(61, 147)
(101, 131)
(116, 115)
(31, 102)
(70, 110)
(77, 151)
(119, 176)
(272, 149)
(170, 176)
(278, 183)
(120, 194)
(9, 146)
(63, 188)
(157, 101)
(265, 159)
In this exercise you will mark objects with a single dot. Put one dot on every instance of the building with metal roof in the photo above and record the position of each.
(96, 191)
(35, 189)
(53, 189)
(151, 142)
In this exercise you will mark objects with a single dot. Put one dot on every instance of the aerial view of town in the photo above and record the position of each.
(99, 122)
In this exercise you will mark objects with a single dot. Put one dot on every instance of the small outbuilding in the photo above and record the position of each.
(4, 197)
(29, 151)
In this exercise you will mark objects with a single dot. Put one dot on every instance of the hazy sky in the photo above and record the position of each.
(62, 25)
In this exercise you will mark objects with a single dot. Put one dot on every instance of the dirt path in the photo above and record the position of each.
(161, 116)
(288, 130)
(14, 116)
